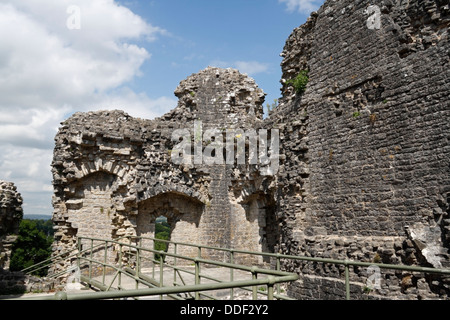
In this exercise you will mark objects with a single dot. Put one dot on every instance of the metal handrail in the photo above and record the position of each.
(53, 260)
(277, 276)
(317, 259)
(197, 261)
(270, 281)
(346, 263)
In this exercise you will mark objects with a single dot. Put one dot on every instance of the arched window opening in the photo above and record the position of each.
(162, 232)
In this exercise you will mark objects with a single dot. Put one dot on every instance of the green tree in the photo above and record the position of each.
(162, 227)
(162, 231)
(32, 246)
(46, 226)
(161, 246)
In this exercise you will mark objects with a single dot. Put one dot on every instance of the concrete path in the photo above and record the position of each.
(169, 277)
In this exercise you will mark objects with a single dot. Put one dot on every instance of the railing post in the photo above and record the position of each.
(105, 261)
(79, 253)
(197, 277)
(90, 260)
(175, 263)
(347, 281)
(254, 288)
(278, 268)
(138, 262)
(153, 259)
(120, 266)
(161, 272)
(139, 251)
(270, 287)
(231, 274)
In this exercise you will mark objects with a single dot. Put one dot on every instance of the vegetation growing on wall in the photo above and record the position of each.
(299, 83)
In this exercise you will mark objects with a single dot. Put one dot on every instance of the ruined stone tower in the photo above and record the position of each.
(366, 174)
(114, 174)
(364, 166)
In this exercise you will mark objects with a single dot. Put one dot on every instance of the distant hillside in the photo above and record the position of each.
(161, 219)
(37, 216)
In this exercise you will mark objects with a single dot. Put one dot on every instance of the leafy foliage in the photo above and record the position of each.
(46, 226)
(162, 231)
(299, 83)
(32, 246)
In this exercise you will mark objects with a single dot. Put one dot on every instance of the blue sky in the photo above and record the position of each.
(245, 34)
(129, 55)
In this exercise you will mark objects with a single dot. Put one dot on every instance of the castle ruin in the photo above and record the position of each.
(364, 165)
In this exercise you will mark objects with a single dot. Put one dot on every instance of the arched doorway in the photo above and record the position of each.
(181, 212)
(255, 227)
(162, 232)
(91, 207)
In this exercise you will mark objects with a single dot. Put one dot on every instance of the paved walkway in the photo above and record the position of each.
(128, 283)
(183, 278)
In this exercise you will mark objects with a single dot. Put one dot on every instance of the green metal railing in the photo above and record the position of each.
(272, 277)
(62, 257)
(346, 263)
(87, 260)
(127, 249)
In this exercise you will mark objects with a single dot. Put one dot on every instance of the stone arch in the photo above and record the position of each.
(122, 198)
(183, 213)
(99, 165)
(258, 226)
(87, 209)
(172, 188)
(91, 206)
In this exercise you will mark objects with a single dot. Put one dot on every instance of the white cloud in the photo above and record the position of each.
(251, 67)
(46, 63)
(34, 127)
(248, 67)
(302, 6)
(48, 71)
(137, 105)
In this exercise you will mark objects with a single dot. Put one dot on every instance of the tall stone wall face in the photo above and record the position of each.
(366, 174)
(114, 174)
(11, 214)
(364, 157)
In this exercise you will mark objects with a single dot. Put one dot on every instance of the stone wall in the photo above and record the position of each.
(11, 214)
(364, 168)
(114, 174)
(17, 283)
(366, 174)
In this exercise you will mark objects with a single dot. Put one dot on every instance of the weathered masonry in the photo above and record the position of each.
(367, 152)
(114, 175)
(364, 165)
(10, 216)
